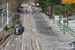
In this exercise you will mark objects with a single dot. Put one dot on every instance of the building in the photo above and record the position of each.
(68, 1)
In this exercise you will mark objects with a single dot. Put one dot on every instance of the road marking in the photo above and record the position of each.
(5, 49)
(37, 45)
(17, 42)
(22, 40)
(16, 39)
(33, 44)
(12, 44)
(23, 35)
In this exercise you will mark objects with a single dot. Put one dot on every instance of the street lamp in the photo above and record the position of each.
(65, 8)
(7, 17)
(54, 13)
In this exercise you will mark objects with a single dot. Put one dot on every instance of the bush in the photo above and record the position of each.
(64, 21)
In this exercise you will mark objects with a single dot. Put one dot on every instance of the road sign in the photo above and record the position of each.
(8, 14)
(49, 9)
(61, 21)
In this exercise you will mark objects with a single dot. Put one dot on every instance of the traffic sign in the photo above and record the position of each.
(62, 21)
(8, 14)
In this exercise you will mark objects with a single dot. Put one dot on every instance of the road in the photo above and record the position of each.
(37, 35)
(27, 40)
(48, 39)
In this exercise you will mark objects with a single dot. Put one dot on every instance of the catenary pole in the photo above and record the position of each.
(7, 17)
(2, 21)
(54, 13)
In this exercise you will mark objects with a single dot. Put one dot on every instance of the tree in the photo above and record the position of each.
(57, 2)
(58, 7)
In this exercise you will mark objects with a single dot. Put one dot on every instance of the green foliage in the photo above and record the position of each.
(58, 8)
(61, 9)
(57, 2)
(11, 29)
(73, 5)
(64, 21)
(69, 8)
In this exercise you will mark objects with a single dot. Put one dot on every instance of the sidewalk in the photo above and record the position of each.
(67, 37)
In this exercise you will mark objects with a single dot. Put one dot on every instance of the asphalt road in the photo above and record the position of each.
(42, 25)
(49, 39)
(25, 41)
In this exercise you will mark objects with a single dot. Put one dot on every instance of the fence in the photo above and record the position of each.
(72, 32)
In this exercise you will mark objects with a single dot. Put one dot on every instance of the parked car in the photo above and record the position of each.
(34, 11)
(17, 29)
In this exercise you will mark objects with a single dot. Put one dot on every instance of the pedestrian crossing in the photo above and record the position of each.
(39, 20)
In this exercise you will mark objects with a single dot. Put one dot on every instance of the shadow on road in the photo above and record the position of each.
(22, 29)
(73, 45)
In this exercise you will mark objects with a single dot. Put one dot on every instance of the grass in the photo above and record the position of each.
(37, 7)
(10, 29)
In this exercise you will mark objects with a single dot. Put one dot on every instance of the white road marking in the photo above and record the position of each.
(61, 43)
(56, 42)
(37, 45)
(12, 44)
(23, 36)
(17, 42)
(16, 39)
(5, 49)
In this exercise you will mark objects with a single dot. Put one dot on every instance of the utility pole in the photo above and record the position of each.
(54, 13)
(60, 13)
(2, 20)
(47, 6)
(68, 14)
(7, 17)
(65, 9)
(11, 14)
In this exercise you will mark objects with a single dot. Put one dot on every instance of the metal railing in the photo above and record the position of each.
(72, 32)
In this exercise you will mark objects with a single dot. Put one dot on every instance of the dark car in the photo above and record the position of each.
(34, 11)
(17, 29)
